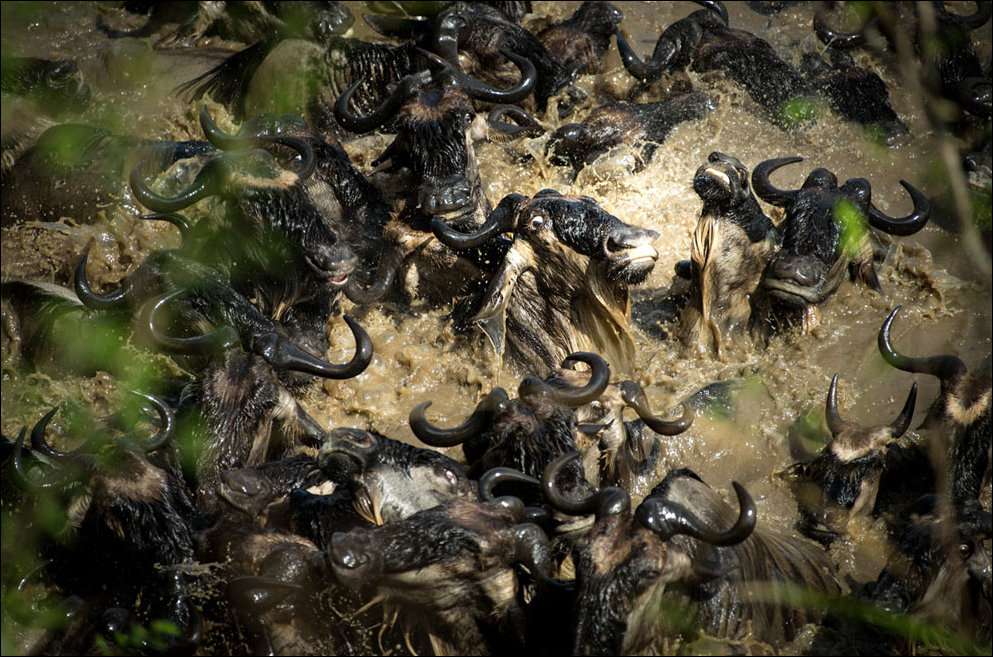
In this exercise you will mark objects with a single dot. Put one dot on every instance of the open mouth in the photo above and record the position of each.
(633, 265)
(720, 175)
(638, 256)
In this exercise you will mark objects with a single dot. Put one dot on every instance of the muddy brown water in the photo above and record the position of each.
(944, 290)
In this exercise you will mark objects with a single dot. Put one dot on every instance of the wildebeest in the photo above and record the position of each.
(390, 480)
(132, 513)
(825, 233)
(703, 41)
(643, 127)
(249, 22)
(436, 125)
(96, 161)
(673, 548)
(938, 37)
(582, 40)
(562, 286)
(450, 571)
(732, 244)
(960, 415)
(842, 482)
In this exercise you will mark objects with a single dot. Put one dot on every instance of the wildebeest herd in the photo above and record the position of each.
(474, 328)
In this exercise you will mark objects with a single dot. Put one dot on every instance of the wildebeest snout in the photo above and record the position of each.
(334, 262)
(631, 252)
(445, 195)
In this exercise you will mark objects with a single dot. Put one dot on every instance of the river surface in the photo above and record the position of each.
(944, 290)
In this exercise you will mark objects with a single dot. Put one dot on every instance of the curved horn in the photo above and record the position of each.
(200, 189)
(908, 225)
(217, 137)
(308, 163)
(167, 422)
(666, 49)
(474, 425)
(902, 421)
(174, 218)
(634, 396)
(223, 141)
(972, 21)
(830, 36)
(765, 190)
(385, 275)
(609, 501)
(282, 353)
(485, 92)
(527, 124)
(499, 475)
(21, 478)
(944, 367)
(531, 548)
(112, 301)
(224, 337)
(38, 442)
(571, 396)
(834, 420)
(667, 519)
(355, 123)
(501, 220)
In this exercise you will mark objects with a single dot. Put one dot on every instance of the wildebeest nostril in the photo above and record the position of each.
(797, 269)
(624, 239)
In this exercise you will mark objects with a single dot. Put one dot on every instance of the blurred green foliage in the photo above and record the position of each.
(853, 226)
(799, 111)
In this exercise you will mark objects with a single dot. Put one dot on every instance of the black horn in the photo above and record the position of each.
(473, 425)
(765, 189)
(944, 367)
(667, 519)
(634, 396)
(570, 396)
(909, 224)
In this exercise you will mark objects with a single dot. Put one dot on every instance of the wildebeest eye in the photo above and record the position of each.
(536, 222)
(966, 549)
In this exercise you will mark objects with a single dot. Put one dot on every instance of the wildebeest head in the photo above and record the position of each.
(627, 561)
(433, 117)
(825, 232)
(135, 517)
(564, 279)
(842, 482)
(391, 480)
(450, 570)
(582, 40)
(732, 245)
(673, 548)
(266, 204)
(526, 433)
